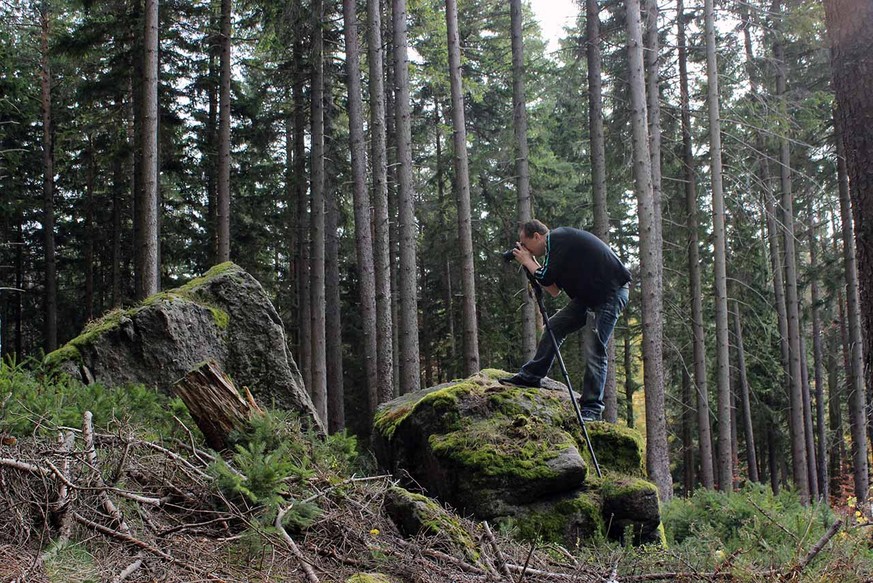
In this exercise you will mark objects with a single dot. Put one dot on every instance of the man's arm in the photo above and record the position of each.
(529, 262)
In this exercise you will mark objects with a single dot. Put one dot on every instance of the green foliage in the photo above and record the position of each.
(38, 401)
(272, 463)
(761, 527)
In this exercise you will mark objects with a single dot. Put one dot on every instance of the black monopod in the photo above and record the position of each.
(538, 292)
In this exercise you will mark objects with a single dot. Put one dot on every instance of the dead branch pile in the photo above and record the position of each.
(125, 508)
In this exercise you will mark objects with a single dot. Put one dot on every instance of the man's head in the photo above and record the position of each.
(532, 235)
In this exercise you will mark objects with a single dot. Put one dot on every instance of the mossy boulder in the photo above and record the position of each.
(224, 316)
(418, 515)
(370, 578)
(517, 455)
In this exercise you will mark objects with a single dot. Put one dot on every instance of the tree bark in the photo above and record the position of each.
(462, 184)
(90, 234)
(50, 311)
(522, 166)
(381, 223)
(410, 373)
(696, 289)
(215, 404)
(818, 367)
(223, 214)
(318, 389)
(798, 437)
(147, 209)
(336, 414)
(657, 458)
(598, 173)
(748, 426)
(363, 235)
(302, 251)
(723, 378)
(848, 206)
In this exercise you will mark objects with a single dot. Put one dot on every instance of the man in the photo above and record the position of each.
(582, 265)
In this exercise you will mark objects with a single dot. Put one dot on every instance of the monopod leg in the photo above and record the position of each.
(538, 292)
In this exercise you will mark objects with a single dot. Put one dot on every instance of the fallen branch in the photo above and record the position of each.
(817, 547)
(771, 519)
(501, 561)
(307, 568)
(141, 544)
(444, 557)
(91, 453)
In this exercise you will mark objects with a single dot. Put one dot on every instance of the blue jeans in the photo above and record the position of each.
(568, 319)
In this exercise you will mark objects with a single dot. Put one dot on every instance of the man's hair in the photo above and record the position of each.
(534, 226)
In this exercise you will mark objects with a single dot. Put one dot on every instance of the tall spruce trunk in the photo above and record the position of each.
(745, 400)
(410, 373)
(224, 135)
(50, 310)
(318, 389)
(361, 203)
(818, 366)
(723, 378)
(147, 208)
(800, 469)
(522, 166)
(90, 231)
(689, 175)
(657, 454)
(852, 263)
(598, 174)
(462, 195)
(381, 223)
(336, 415)
(302, 251)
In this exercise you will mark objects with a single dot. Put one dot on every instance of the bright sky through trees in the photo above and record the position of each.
(554, 16)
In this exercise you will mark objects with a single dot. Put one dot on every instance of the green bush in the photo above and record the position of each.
(35, 401)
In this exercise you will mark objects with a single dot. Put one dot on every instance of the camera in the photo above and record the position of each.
(508, 256)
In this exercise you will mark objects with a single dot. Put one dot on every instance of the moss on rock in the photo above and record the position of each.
(573, 519)
(415, 514)
(504, 447)
(617, 447)
(631, 506)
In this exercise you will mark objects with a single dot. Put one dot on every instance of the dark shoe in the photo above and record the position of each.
(519, 381)
(589, 417)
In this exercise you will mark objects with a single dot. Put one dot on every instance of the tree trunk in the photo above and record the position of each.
(462, 184)
(628, 378)
(699, 339)
(318, 389)
(811, 457)
(117, 206)
(818, 367)
(224, 135)
(748, 426)
(336, 414)
(302, 251)
(381, 223)
(50, 329)
(598, 173)
(147, 209)
(798, 441)
(852, 257)
(836, 395)
(410, 374)
(215, 404)
(657, 458)
(210, 165)
(90, 235)
(687, 434)
(723, 378)
(522, 167)
(363, 234)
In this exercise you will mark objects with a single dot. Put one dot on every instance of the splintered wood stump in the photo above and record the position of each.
(215, 404)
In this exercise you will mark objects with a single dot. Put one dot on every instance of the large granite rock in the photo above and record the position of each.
(517, 455)
(224, 316)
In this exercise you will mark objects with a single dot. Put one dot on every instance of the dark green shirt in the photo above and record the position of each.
(582, 265)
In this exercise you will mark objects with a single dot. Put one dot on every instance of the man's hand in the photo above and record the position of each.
(523, 255)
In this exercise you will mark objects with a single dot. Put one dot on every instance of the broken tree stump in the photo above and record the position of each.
(215, 403)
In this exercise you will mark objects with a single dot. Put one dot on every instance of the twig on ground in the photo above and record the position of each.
(771, 519)
(526, 562)
(91, 453)
(501, 561)
(128, 571)
(307, 568)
